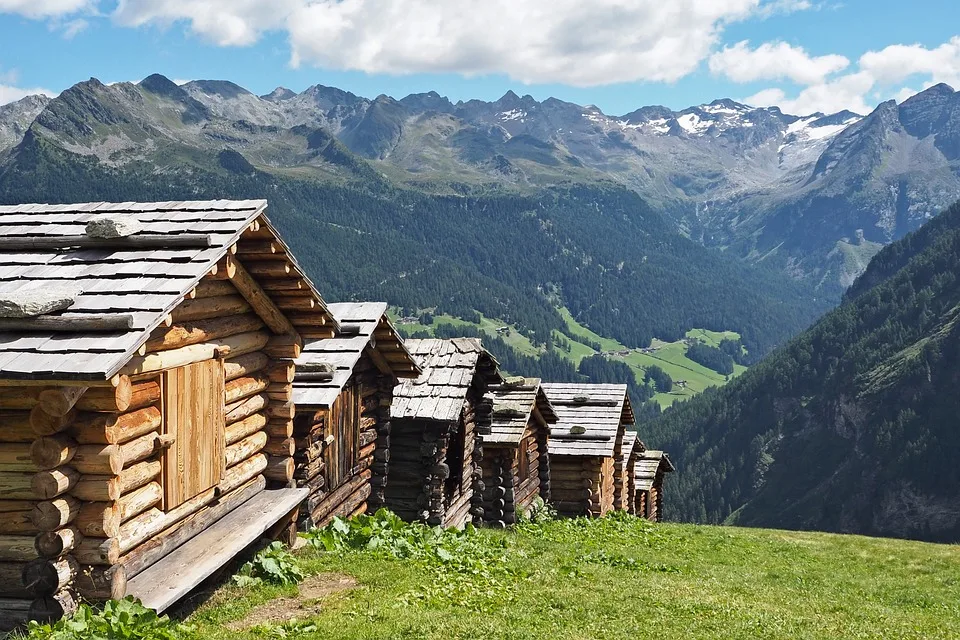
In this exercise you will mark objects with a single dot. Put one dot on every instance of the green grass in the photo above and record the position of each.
(623, 578)
(514, 338)
(670, 356)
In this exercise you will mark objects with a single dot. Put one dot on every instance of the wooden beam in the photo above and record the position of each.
(258, 299)
(70, 322)
(140, 241)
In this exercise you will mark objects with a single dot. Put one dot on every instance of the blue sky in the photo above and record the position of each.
(619, 55)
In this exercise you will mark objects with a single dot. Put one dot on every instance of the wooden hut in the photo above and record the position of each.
(342, 390)
(515, 463)
(437, 420)
(651, 468)
(585, 445)
(146, 370)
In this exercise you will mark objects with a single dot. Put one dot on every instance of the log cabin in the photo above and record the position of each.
(515, 463)
(651, 468)
(585, 445)
(146, 367)
(342, 390)
(436, 423)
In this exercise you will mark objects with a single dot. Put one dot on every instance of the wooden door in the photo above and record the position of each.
(194, 414)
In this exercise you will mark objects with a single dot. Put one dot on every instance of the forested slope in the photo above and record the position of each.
(852, 426)
(615, 263)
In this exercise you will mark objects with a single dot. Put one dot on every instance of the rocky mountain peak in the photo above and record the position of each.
(279, 95)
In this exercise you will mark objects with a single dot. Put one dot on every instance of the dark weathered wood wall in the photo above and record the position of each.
(343, 453)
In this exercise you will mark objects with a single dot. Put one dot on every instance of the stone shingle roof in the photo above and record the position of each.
(590, 417)
(449, 368)
(358, 321)
(512, 406)
(144, 276)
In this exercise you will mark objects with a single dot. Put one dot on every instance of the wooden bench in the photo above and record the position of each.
(170, 579)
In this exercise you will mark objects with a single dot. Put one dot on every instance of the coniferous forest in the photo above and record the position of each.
(852, 426)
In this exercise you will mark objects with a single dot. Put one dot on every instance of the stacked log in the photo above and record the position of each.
(497, 478)
(619, 479)
(381, 470)
(578, 485)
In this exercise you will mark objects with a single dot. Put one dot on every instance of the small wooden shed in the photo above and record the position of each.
(515, 463)
(437, 420)
(651, 468)
(145, 396)
(343, 390)
(585, 445)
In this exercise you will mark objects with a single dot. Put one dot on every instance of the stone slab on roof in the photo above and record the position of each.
(507, 427)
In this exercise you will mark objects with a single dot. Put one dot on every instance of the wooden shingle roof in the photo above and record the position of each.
(358, 321)
(143, 276)
(449, 367)
(590, 416)
(647, 465)
(512, 406)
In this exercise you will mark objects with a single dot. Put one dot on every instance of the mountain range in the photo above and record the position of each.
(813, 195)
(365, 229)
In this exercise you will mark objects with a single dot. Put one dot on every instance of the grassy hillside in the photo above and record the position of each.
(614, 578)
(577, 342)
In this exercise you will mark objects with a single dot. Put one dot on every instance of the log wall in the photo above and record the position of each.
(582, 486)
(435, 473)
(513, 477)
(335, 489)
(81, 476)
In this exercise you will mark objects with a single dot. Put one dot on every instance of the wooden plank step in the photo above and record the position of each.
(163, 584)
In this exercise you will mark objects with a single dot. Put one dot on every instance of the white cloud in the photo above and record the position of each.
(43, 8)
(537, 41)
(12, 94)
(73, 27)
(880, 75)
(845, 92)
(898, 62)
(774, 61)
(223, 22)
(534, 41)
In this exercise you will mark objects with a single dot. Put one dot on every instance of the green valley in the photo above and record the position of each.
(575, 342)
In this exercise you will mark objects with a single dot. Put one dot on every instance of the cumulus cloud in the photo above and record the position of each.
(535, 41)
(879, 75)
(223, 22)
(12, 94)
(774, 61)
(898, 62)
(43, 8)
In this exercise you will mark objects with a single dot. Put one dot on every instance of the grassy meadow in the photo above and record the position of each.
(580, 343)
(614, 578)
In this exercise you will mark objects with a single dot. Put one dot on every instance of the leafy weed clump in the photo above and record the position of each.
(273, 565)
(125, 619)
(467, 569)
